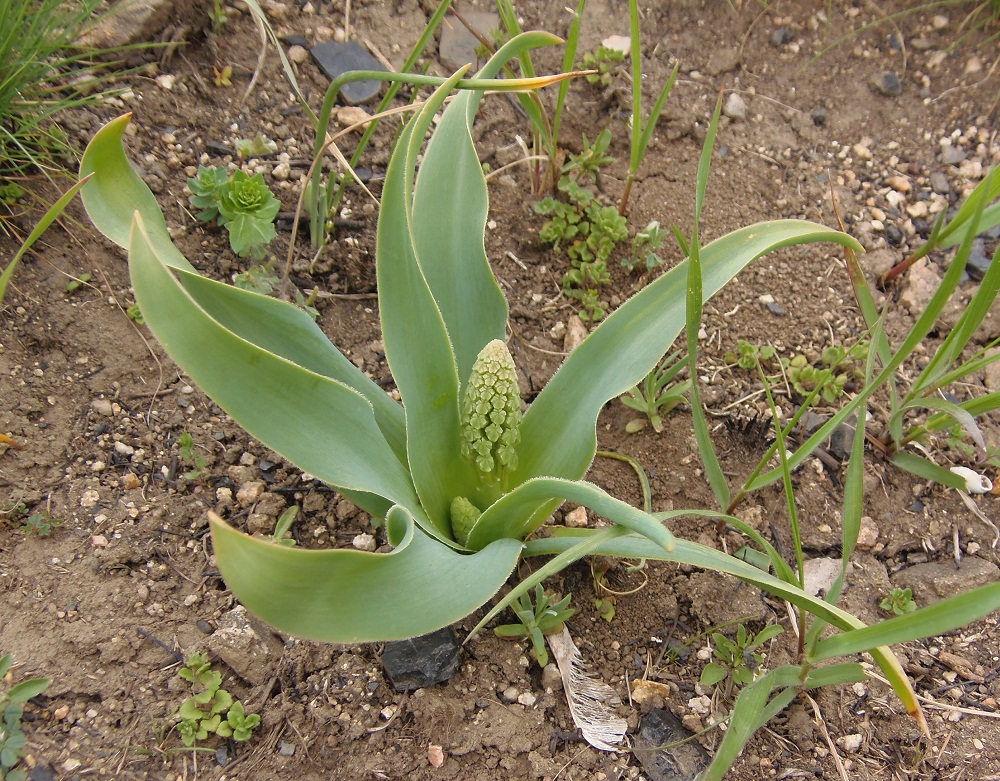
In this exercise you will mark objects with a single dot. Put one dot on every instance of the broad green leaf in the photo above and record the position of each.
(247, 231)
(558, 435)
(449, 221)
(348, 596)
(927, 621)
(25, 690)
(288, 332)
(117, 191)
(417, 344)
(324, 427)
(275, 326)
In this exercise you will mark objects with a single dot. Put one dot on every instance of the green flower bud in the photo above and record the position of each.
(491, 411)
(464, 515)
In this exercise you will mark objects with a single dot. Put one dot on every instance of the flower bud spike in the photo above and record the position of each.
(491, 412)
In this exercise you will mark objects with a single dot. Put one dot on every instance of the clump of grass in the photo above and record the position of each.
(44, 72)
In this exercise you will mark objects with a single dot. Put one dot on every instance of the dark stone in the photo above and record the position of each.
(979, 261)
(682, 761)
(887, 83)
(216, 148)
(818, 116)
(296, 40)
(781, 36)
(893, 236)
(222, 756)
(335, 58)
(421, 661)
(41, 773)
(776, 309)
(895, 42)
(840, 439)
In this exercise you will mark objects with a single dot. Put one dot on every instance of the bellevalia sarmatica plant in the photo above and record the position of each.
(460, 487)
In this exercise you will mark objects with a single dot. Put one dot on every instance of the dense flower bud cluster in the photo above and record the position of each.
(464, 515)
(491, 411)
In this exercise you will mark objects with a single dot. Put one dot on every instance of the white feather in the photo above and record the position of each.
(591, 702)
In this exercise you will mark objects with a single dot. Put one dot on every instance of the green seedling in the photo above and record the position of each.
(738, 660)
(189, 452)
(135, 314)
(588, 231)
(222, 77)
(15, 511)
(258, 146)
(211, 709)
(459, 523)
(260, 278)
(41, 524)
(238, 725)
(658, 393)
(645, 248)
(217, 16)
(605, 61)
(749, 355)
(544, 617)
(13, 741)
(243, 204)
(282, 529)
(10, 194)
(206, 190)
(75, 284)
(899, 602)
(586, 166)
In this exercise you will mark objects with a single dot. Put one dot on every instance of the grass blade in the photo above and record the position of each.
(928, 621)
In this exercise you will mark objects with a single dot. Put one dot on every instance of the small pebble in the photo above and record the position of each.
(735, 107)
(287, 748)
(509, 695)
(250, 492)
(298, 54)
(576, 518)
(781, 36)
(950, 155)
(102, 407)
(887, 83)
(365, 542)
(899, 183)
(551, 677)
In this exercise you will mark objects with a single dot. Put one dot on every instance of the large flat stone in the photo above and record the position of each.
(335, 58)
(458, 45)
(939, 579)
